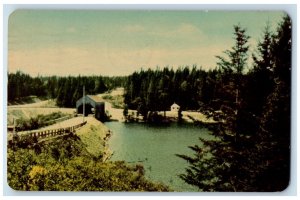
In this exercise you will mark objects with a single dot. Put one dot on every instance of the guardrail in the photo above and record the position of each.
(52, 132)
(11, 127)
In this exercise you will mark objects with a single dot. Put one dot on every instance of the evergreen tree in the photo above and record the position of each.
(151, 96)
(64, 89)
(235, 65)
(222, 165)
(260, 81)
(238, 160)
(273, 140)
(238, 55)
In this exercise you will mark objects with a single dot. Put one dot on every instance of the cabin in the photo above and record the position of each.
(93, 105)
(175, 107)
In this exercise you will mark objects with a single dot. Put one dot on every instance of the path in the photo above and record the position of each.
(34, 109)
(40, 104)
(64, 124)
(116, 114)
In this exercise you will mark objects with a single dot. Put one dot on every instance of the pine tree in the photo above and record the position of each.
(273, 140)
(221, 164)
(238, 55)
(238, 160)
(260, 81)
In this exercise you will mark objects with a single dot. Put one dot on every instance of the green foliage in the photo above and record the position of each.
(19, 164)
(66, 90)
(238, 54)
(116, 101)
(125, 111)
(65, 165)
(157, 90)
(260, 79)
(274, 136)
(107, 97)
(22, 85)
(38, 121)
(252, 152)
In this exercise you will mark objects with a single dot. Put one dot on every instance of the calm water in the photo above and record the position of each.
(155, 147)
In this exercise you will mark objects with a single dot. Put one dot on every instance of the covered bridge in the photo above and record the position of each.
(93, 104)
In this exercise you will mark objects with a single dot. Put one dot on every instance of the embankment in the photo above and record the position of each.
(95, 136)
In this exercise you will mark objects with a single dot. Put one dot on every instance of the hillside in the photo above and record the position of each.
(38, 107)
(94, 135)
(73, 163)
(25, 100)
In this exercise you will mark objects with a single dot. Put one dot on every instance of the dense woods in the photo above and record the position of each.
(251, 151)
(157, 90)
(66, 90)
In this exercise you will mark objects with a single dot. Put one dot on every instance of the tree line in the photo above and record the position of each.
(157, 90)
(66, 90)
(252, 149)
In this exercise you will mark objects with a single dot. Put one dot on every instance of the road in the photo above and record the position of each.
(116, 114)
(40, 104)
(66, 123)
(34, 109)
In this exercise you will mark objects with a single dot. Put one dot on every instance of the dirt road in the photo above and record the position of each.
(66, 123)
(34, 109)
(116, 114)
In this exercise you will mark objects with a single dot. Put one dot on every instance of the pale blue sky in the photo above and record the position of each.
(121, 42)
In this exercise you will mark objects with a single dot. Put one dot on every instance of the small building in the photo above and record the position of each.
(175, 107)
(93, 105)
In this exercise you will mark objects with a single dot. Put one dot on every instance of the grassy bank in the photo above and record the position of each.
(40, 121)
(73, 162)
(93, 135)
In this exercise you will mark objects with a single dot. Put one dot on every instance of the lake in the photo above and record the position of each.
(155, 147)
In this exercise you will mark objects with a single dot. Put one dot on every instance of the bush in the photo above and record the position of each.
(65, 165)
(38, 121)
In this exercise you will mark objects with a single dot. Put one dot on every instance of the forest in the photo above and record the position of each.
(66, 90)
(252, 152)
(255, 106)
(157, 90)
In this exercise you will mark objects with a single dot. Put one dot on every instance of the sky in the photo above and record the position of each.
(114, 43)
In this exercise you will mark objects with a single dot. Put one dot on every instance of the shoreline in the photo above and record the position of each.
(107, 152)
(187, 117)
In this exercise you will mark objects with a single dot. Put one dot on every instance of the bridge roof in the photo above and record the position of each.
(90, 99)
(95, 98)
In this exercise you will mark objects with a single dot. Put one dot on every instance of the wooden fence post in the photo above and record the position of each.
(53, 132)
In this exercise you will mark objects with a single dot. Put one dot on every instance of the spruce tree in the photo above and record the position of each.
(260, 78)
(221, 164)
(237, 160)
(273, 139)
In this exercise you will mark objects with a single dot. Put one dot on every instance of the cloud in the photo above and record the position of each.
(103, 61)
